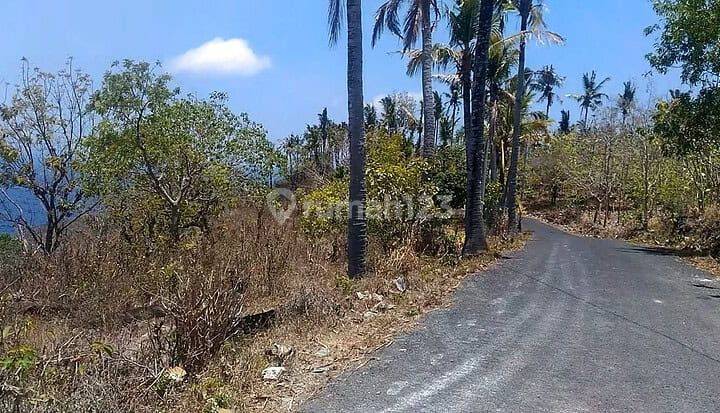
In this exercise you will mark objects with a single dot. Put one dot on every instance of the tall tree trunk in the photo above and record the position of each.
(357, 224)
(454, 123)
(547, 109)
(475, 241)
(646, 185)
(492, 133)
(513, 221)
(466, 80)
(494, 163)
(428, 97)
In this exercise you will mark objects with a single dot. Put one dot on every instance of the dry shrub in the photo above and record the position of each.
(154, 307)
(106, 321)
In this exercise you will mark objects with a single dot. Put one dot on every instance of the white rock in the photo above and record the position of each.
(273, 373)
(369, 314)
(363, 295)
(382, 306)
(322, 352)
(400, 284)
(176, 374)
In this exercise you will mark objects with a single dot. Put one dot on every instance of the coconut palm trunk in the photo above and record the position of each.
(428, 97)
(357, 224)
(475, 241)
(547, 108)
(466, 80)
(513, 220)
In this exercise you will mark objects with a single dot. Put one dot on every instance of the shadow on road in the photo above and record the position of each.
(663, 251)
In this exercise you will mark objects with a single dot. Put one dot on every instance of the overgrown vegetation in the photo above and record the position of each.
(649, 173)
(181, 253)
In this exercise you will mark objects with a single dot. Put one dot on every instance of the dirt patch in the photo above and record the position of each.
(381, 313)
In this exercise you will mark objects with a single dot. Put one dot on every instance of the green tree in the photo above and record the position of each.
(565, 121)
(42, 131)
(532, 24)
(357, 223)
(689, 32)
(546, 81)
(689, 127)
(166, 163)
(475, 240)
(626, 100)
(463, 33)
(592, 97)
(419, 20)
(371, 116)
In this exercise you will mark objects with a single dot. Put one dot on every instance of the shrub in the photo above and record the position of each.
(164, 165)
(400, 195)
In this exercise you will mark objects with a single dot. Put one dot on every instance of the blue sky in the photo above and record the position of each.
(282, 71)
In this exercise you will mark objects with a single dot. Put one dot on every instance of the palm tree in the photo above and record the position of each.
(453, 102)
(357, 224)
(546, 81)
(565, 121)
(417, 20)
(463, 33)
(371, 116)
(438, 113)
(532, 24)
(626, 100)
(592, 97)
(389, 114)
(524, 7)
(475, 241)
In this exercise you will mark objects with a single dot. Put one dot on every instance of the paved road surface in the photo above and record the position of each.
(570, 324)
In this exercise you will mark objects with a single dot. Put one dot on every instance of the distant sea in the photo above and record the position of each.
(30, 205)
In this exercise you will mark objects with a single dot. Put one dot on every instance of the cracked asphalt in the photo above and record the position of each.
(569, 324)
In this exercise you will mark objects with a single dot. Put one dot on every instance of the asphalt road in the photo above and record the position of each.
(570, 324)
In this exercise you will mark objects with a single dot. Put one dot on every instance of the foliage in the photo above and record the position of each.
(546, 81)
(689, 32)
(553, 168)
(690, 124)
(690, 128)
(592, 96)
(400, 194)
(165, 164)
(42, 131)
(447, 172)
(19, 360)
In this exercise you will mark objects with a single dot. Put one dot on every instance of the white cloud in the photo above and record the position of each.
(220, 56)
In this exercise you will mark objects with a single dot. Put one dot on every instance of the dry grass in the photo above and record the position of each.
(102, 326)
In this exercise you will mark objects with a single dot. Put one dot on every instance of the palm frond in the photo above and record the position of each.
(413, 24)
(336, 19)
(387, 17)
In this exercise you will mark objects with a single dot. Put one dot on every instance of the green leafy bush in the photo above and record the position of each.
(400, 195)
(162, 164)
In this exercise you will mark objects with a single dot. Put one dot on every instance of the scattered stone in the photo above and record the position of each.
(400, 284)
(320, 369)
(176, 374)
(362, 296)
(382, 307)
(366, 295)
(279, 354)
(323, 352)
(369, 314)
(273, 373)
